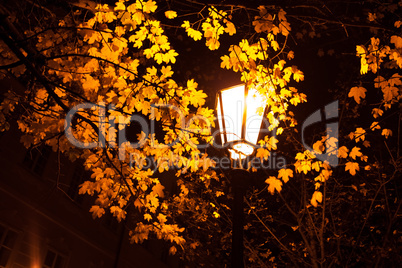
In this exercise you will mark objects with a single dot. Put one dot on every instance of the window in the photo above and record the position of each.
(54, 260)
(7, 241)
(36, 159)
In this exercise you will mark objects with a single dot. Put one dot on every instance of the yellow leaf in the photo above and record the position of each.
(390, 92)
(397, 40)
(161, 218)
(285, 174)
(291, 55)
(395, 80)
(273, 184)
(386, 132)
(225, 62)
(317, 185)
(186, 24)
(366, 144)
(167, 71)
(230, 28)
(316, 166)
(360, 50)
(275, 45)
(298, 76)
(262, 153)
(343, 152)
(377, 112)
(158, 189)
(352, 167)
(120, 6)
(374, 126)
(281, 15)
(147, 217)
(318, 147)
(170, 14)
(284, 27)
(317, 197)
(194, 245)
(149, 6)
(97, 211)
(360, 134)
(172, 250)
(355, 153)
(372, 16)
(324, 175)
(357, 93)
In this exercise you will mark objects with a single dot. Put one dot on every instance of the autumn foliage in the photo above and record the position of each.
(120, 59)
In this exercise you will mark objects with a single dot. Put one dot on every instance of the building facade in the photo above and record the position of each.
(44, 223)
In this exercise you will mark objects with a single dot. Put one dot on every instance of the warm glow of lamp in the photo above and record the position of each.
(240, 113)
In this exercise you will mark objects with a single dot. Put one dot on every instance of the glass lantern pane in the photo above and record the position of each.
(255, 113)
(233, 103)
(220, 120)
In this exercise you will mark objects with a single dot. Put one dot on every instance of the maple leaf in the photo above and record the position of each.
(147, 217)
(395, 80)
(162, 218)
(355, 152)
(297, 74)
(386, 132)
(118, 213)
(274, 45)
(166, 71)
(291, 55)
(389, 92)
(172, 250)
(285, 174)
(97, 211)
(374, 126)
(343, 152)
(318, 147)
(377, 112)
(225, 62)
(397, 40)
(273, 184)
(360, 134)
(324, 175)
(352, 167)
(284, 27)
(170, 14)
(357, 93)
(120, 6)
(230, 28)
(262, 153)
(317, 197)
(158, 189)
(27, 140)
(149, 6)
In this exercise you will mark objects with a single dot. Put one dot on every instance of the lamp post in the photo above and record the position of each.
(240, 112)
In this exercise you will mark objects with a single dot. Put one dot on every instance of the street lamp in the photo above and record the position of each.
(240, 111)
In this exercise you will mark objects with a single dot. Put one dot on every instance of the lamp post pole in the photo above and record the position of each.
(239, 179)
(238, 110)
